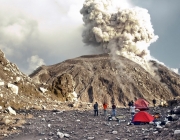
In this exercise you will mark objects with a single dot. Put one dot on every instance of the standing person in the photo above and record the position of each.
(161, 102)
(173, 102)
(113, 110)
(132, 110)
(154, 102)
(130, 104)
(96, 109)
(105, 109)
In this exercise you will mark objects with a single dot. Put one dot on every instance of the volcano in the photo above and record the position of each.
(96, 78)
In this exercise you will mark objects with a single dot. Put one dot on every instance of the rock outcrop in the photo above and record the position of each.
(63, 87)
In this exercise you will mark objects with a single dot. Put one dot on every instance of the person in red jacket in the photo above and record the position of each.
(105, 108)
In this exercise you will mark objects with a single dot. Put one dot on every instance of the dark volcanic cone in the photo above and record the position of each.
(96, 78)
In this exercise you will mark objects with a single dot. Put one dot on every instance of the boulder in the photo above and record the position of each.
(177, 134)
(18, 79)
(63, 87)
(43, 90)
(1, 83)
(13, 88)
(60, 135)
(66, 135)
(73, 96)
(11, 111)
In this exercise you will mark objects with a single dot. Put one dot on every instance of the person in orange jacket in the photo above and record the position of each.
(105, 108)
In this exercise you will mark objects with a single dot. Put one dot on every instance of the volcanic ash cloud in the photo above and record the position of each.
(126, 32)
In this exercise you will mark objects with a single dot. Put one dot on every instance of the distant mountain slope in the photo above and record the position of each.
(97, 78)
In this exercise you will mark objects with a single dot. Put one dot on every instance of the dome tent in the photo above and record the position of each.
(141, 104)
(142, 117)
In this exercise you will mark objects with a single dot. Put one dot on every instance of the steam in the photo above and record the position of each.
(25, 32)
(175, 70)
(124, 31)
(34, 62)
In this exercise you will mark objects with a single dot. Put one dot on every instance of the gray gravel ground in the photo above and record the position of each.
(83, 125)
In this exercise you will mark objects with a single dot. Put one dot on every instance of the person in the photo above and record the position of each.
(154, 102)
(156, 116)
(113, 110)
(173, 102)
(130, 104)
(96, 109)
(105, 109)
(132, 110)
(161, 102)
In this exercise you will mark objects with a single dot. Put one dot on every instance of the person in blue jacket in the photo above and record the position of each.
(113, 110)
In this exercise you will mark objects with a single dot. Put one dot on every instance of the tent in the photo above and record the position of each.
(142, 104)
(142, 117)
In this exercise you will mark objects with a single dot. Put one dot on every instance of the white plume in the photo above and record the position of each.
(126, 32)
(34, 62)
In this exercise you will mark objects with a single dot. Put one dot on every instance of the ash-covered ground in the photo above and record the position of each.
(81, 124)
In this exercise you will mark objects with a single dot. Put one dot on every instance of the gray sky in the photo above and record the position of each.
(36, 32)
(165, 19)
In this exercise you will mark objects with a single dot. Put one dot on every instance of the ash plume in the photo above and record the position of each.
(127, 32)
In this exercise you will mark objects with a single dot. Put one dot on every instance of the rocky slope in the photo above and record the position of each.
(17, 90)
(98, 78)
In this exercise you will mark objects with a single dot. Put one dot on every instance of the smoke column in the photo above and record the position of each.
(127, 32)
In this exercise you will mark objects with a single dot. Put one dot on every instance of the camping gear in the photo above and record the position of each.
(170, 118)
(142, 117)
(112, 118)
(141, 104)
(121, 118)
(176, 110)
